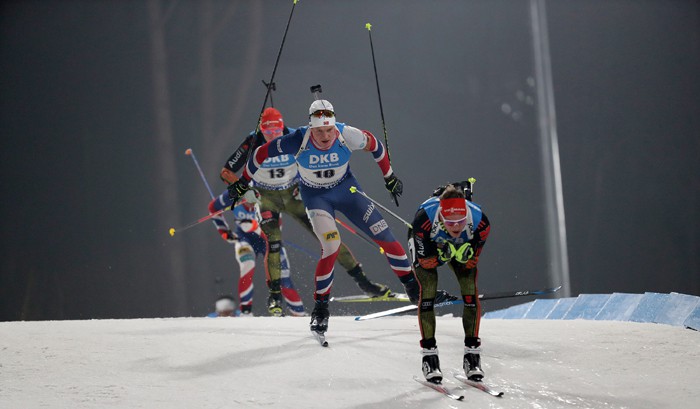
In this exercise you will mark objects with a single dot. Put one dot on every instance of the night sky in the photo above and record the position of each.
(100, 99)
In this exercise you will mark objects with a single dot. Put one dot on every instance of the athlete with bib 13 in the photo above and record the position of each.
(322, 150)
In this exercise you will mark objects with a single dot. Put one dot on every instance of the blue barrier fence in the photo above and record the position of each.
(672, 309)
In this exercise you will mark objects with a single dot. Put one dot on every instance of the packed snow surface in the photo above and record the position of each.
(266, 362)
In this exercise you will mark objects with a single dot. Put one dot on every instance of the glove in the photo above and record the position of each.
(394, 186)
(445, 253)
(228, 235)
(462, 255)
(237, 189)
(428, 263)
(228, 176)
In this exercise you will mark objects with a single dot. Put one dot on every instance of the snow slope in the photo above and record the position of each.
(266, 362)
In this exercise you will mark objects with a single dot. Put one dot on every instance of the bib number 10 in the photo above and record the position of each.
(325, 174)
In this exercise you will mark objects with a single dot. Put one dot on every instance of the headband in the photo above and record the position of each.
(453, 206)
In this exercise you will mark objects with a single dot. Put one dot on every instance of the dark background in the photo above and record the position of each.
(100, 99)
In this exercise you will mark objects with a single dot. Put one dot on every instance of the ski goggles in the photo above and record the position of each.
(323, 112)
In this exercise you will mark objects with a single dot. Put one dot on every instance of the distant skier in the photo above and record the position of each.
(277, 183)
(250, 241)
(224, 306)
(449, 229)
(322, 150)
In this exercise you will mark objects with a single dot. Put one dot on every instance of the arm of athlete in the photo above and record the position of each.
(479, 240)
(358, 139)
(393, 184)
(236, 161)
(219, 203)
(425, 252)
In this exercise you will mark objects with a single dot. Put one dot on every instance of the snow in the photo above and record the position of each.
(266, 362)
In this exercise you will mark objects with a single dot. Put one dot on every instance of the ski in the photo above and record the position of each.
(399, 310)
(478, 385)
(321, 338)
(438, 387)
(451, 300)
(389, 296)
(511, 294)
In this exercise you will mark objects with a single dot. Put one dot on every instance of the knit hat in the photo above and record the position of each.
(271, 118)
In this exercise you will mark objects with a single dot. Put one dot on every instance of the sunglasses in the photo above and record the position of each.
(323, 112)
(271, 131)
(452, 223)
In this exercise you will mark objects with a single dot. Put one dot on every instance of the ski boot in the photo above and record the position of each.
(374, 289)
(246, 310)
(369, 288)
(320, 315)
(431, 365)
(274, 304)
(472, 363)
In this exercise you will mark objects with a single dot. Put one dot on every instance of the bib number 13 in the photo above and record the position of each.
(276, 173)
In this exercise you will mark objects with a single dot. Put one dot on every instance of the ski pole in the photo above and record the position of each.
(379, 94)
(351, 230)
(452, 300)
(303, 250)
(189, 153)
(198, 221)
(271, 84)
(368, 26)
(353, 189)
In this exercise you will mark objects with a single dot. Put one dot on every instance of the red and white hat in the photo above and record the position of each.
(271, 118)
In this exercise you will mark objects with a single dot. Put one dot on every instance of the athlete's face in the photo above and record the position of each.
(454, 224)
(324, 136)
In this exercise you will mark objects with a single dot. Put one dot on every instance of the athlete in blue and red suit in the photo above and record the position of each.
(322, 150)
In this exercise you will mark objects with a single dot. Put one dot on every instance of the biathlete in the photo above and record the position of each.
(322, 151)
